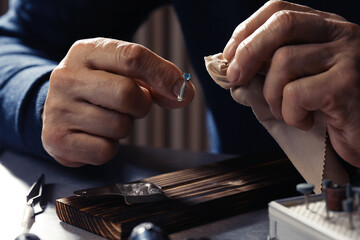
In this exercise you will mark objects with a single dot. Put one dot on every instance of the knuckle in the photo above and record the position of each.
(58, 73)
(121, 126)
(85, 44)
(125, 91)
(246, 31)
(284, 20)
(104, 153)
(81, 46)
(336, 16)
(78, 45)
(128, 93)
(275, 5)
(244, 49)
(243, 29)
(291, 93)
(62, 77)
(86, 51)
(284, 57)
(129, 55)
(54, 139)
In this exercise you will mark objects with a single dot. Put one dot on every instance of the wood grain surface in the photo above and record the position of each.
(198, 195)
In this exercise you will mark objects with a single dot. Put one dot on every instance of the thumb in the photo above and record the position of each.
(162, 78)
(188, 96)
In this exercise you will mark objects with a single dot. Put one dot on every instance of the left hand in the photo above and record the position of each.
(311, 60)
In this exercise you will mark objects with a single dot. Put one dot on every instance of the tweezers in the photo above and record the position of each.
(34, 197)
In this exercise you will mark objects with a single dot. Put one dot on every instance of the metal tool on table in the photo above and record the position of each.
(306, 189)
(35, 204)
(148, 231)
(133, 193)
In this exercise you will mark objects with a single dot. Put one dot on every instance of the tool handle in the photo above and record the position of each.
(27, 217)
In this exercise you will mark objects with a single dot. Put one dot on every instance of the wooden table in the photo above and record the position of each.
(18, 172)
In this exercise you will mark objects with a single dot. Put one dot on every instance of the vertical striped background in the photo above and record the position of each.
(176, 129)
(180, 128)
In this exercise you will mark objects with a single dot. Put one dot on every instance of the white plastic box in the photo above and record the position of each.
(290, 220)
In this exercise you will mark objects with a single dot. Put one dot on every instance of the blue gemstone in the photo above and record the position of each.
(187, 76)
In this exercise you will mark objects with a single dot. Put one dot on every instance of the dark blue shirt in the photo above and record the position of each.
(36, 34)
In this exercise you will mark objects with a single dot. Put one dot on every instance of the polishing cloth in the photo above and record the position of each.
(309, 151)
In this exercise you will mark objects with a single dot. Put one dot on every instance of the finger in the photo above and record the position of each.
(257, 19)
(166, 103)
(290, 63)
(67, 163)
(108, 90)
(135, 61)
(80, 148)
(281, 29)
(344, 140)
(305, 95)
(98, 121)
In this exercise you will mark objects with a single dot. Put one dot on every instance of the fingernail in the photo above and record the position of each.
(229, 50)
(181, 94)
(177, 87)
(233, 72)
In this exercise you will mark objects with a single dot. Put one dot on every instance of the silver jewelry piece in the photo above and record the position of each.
(187, 78)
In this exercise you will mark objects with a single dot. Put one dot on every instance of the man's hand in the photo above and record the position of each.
(312, 62)
(97, 92)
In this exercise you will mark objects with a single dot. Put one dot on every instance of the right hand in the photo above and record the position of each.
(311, 60)
(96, 93)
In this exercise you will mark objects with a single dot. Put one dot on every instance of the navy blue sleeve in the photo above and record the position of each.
(23, 87)
(34, 36)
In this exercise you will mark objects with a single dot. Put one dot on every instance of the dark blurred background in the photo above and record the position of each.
(3, 6)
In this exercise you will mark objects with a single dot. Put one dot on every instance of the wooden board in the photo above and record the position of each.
(199, 195)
